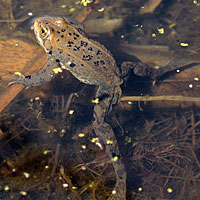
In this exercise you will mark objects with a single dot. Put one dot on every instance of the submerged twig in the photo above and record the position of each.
(159, 98)
(67, 179)
(56, 159)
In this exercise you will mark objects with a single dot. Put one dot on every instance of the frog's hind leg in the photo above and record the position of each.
(141, 69)
(108, 97)
(105, 132)
(41, 77)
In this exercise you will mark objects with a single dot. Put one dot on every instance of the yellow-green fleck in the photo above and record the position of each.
(169, 190)
(83, 146)
(156, 67)
(6, 188)
(172, 25)
(161, 30)
(81, 134)
(63, 6)
(37, 98)
(71, 9)
(127, 140)
(85, 2)
(24, 193)
(91, 184)
(18, 73)
(100, 9)
(109, 142)
(46, 152)
(71, 112)
(184, 44)
(195, 2)
(115, 158)
(26, 174)
(96, 101)
(94, 140)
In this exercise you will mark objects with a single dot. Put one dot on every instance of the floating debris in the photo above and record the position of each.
(71, 112)
(184, 44)
(169, 190)
(81, 134)
(95, 100)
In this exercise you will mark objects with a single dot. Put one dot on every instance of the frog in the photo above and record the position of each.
(69, 48)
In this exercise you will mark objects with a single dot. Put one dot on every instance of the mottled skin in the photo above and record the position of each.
(89, 62)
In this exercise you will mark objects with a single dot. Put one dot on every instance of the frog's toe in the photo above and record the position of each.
(20, 80)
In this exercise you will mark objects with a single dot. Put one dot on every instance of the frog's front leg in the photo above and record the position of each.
(104, 131)
(41, 77)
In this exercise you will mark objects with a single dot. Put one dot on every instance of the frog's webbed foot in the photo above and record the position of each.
(34, 79)
(19, 80)
(38, 78)
(105, 132)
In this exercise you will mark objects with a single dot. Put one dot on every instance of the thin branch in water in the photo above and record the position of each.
(56, 159)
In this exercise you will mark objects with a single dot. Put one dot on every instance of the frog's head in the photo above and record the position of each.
(49, 31)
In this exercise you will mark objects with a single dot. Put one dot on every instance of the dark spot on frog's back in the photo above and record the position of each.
(70, 44)
(76, 48)
(75, 34)
(72, 65)
(98, 52)
(96, 63)
(61, 51)
(84, 44)
(87, 57)
(102, 62)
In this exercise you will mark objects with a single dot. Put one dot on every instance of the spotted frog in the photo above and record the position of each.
(91, 63)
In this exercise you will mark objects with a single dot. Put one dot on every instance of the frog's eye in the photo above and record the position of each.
(44, 32)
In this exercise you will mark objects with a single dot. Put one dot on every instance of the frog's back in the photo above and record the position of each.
(87, 60)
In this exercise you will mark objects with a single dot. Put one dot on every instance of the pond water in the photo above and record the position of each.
(48, 148)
